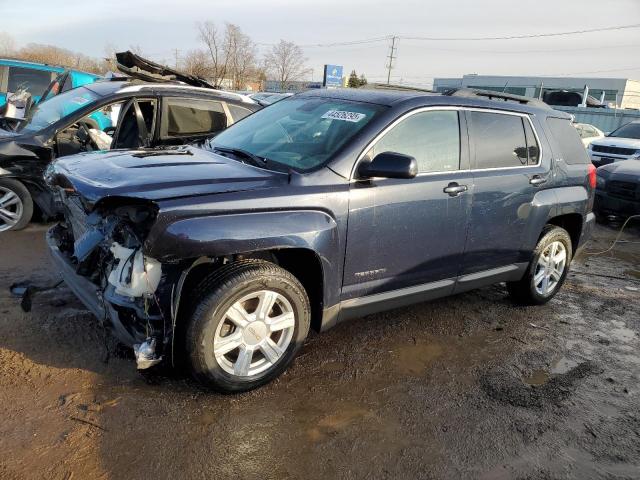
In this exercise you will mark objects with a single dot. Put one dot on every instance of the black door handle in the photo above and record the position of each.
(454, 189)
(537, 180)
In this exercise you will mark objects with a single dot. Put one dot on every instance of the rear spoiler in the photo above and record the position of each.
(143, 69)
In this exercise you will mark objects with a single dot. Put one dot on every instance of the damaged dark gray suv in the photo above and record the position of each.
(323, 207)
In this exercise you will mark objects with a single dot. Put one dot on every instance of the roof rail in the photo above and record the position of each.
(491, 95)
(386, 86)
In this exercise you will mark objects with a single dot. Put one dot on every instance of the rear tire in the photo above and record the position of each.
(16, 205)
(248, 325)
(547, 270)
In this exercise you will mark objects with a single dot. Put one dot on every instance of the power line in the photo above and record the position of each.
(534, 35)
(335, 44)
(519, 52)
(461, 39)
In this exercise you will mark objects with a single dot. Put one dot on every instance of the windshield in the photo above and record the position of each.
(52, 110)
(630, 130)
(300, 133)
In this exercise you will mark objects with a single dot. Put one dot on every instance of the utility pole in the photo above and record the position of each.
(391, 57)
(177, 52)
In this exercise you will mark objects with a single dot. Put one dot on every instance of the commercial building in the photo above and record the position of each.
(618, 92)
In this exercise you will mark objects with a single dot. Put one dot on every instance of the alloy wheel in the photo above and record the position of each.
(254, 333)
(11, 208)
(550, 267)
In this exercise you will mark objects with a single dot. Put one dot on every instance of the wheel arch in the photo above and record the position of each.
(564, 207)
(572, 223)
(303, 263)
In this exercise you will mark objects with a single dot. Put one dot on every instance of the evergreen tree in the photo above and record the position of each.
(354, 81)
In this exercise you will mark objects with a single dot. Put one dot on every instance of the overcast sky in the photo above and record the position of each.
(159, 26)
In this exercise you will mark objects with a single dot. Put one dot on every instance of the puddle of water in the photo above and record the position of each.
(207, 418)
(336, 422)
(562, 365)
(581, 345)
(537, 378)
(632, 273)
(414, 359)
(622, 333)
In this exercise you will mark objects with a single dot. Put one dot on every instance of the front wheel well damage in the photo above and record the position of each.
(303, 263)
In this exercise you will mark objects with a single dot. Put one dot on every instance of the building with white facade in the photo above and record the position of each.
(618, 92)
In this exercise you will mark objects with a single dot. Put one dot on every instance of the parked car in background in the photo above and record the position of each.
(38, 78)
(104, 115)
(618, 189)
(588, 133)
(325, 206)
(621, 144)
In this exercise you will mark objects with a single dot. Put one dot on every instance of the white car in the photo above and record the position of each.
(588, 133)
(621, 144)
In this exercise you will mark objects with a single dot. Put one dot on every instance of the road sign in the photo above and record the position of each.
(332, 76)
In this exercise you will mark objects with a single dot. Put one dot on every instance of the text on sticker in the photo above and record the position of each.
(346, 116)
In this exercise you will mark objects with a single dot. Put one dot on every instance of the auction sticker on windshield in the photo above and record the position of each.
(346, 116)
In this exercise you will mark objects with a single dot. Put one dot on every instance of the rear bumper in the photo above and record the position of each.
(605, 204)
(587, 228)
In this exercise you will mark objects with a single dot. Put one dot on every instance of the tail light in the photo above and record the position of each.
(592, 176)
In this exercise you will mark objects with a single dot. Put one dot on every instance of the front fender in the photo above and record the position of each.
(242, 233)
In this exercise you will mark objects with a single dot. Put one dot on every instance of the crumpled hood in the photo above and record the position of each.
(155, 175)
(617, 142)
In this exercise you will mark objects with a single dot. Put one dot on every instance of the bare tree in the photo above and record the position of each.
(232, 54)
(196, 62)
(7, 45)
(241, 55)
(51, 54)
(215, 45)
(286, 62)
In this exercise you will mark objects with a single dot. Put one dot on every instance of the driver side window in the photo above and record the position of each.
(92, 132)
(432, 138)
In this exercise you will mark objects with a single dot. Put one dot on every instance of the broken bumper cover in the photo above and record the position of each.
(86, 291)
(103, 306)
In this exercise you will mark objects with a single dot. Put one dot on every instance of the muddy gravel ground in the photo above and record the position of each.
(465, 387)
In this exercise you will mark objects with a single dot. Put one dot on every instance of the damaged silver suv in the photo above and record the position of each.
(322, 207)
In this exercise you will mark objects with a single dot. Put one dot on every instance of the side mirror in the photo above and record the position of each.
(389, 165)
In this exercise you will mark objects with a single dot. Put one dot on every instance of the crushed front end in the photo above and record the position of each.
(99, 251)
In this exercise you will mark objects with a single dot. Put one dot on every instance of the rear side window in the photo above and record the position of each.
(184, 117)
(432, 138)
(499, 140)
(34, 81)
(568, 141)
(238, 113)
(533, 149)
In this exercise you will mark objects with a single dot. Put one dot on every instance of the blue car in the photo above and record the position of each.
(38, 79)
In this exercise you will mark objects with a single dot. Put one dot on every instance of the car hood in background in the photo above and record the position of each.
(617, 142)
(624, 168)
(157, 175)
(137, 67)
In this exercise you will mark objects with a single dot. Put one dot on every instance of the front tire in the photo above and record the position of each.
(250, 322)
(16, 205)
(548, 268)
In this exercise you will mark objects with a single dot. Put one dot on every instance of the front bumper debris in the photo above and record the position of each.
(133, 321)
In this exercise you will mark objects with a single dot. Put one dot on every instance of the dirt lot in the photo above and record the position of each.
(465, 387)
